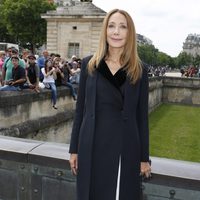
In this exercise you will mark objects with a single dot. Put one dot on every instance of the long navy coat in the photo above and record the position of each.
(135, 141)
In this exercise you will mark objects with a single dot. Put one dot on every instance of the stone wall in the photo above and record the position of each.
(30, 115)
(181, 90)
(155, 92)
(35, 170)
(62, 32)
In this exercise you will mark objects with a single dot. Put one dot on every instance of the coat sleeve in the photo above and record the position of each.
(79, 107)
(142, 114)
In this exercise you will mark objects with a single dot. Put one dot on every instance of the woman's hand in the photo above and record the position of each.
(74, 163)
(145, 169)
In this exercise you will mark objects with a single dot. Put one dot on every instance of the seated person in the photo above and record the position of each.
(59, 73)
(8, 66)
(49, 81)
(18, 77)
(32, 73)
(75, 76)
(65, 80)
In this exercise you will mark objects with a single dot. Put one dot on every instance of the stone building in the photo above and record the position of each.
(142, 40)
(74, 28)
(192, 44)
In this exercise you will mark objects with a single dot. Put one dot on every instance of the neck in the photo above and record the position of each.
(114, 54)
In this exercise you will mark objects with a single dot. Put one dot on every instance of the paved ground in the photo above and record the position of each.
(174, 74)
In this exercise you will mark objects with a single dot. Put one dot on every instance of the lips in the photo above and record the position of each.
(116, 39)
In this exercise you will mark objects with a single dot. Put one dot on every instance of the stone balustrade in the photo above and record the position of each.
(30, 115)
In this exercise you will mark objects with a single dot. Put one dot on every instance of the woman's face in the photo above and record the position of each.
(117, 31)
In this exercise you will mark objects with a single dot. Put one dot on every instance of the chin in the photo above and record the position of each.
(116, 46)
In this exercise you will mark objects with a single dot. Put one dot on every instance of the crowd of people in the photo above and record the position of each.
(190, 71)
(157, 71)
(33, 72)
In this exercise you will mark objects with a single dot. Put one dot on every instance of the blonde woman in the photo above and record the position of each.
(110, 137)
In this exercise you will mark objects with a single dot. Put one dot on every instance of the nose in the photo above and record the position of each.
(116, 31)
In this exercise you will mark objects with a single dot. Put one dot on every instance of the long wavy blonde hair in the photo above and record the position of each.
(129, 57)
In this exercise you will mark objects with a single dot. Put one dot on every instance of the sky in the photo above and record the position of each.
(166, 22)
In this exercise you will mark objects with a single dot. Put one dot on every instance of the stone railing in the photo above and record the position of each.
(30, 115)
(181, 90)
(155, 92)
(26, 105)
(34, 170)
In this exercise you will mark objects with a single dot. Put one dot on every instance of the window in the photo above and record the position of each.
(73, 49)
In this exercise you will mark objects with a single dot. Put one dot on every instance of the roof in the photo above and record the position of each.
(76, 8)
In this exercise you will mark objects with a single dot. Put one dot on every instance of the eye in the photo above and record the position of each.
(111, 26)
(123, 26)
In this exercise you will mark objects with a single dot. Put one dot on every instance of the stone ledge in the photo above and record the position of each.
(22, 130)
(9, 98)
(176, 168)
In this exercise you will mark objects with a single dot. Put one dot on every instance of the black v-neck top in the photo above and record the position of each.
(118, 79)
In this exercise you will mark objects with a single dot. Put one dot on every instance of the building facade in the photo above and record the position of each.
(142, 40)
(192, 44)
(74, 28)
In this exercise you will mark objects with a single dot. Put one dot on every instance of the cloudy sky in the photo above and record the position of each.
(166, 22)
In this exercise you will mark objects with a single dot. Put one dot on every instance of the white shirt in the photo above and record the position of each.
(47, 79)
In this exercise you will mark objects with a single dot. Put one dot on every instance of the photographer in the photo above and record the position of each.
(18, 77)
(49, 73)
(58, 72)
(65, 80)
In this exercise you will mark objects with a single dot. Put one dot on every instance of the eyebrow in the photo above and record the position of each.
(115, 23)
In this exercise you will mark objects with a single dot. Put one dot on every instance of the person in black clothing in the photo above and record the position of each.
(32, 73)
(65, 80)
(18, 77)
(62, 77)
(58, 72)
(110, 137)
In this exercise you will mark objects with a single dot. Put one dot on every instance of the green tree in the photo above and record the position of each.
(148, 54)
(23, 20)
(152, 56)
(184, 59)
(196, 61)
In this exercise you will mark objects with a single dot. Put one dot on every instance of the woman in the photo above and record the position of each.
(109, 143)
(49, 80)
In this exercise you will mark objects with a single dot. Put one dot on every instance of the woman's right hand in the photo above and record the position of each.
(74, 163)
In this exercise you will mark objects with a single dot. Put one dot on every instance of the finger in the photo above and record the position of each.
(147, 174)
(74, 171)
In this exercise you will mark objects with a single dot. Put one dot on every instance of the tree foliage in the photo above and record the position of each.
(184, 59)
(152, 56)
(148, 54)
(22, 19)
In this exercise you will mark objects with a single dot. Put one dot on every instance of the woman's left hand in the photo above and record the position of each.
(145, 169)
